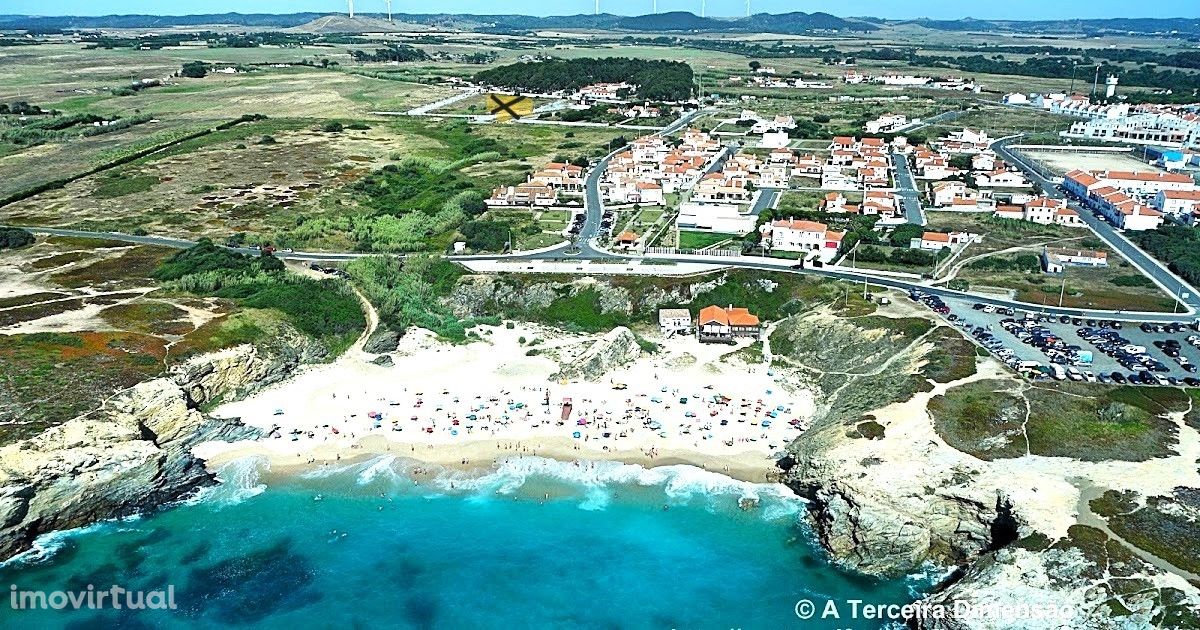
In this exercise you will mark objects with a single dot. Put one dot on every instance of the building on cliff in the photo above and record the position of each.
(724, 325)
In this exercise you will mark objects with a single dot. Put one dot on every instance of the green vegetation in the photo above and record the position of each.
(981, 419)
(1023, 263)
(113, 186)
(954, 358)
(1176, 245)
(324, 309)
(49, 378)
(13, 238)
(1164, 526)
(653, 79)
(391, 52)
(1121, 423)
(194, 70)
(1132, 280)
(699, 240)
(409, 293)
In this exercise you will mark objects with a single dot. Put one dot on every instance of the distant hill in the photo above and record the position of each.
(329, 23)
(672, 21)
(267, 20)
(675, 21)
(1141, 26)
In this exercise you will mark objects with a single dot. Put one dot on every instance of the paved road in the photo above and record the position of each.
(906, 190)
(1169, 282)
(586, 243)
(949, 116)
(765, 199)
(743, 263)
(594, 209)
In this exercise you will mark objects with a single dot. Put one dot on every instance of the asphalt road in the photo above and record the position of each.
(1170, 283)
(906, 190)
(594, 209)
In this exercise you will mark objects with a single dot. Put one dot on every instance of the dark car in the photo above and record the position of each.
(1145, 377)
(1117, 377)
(1191, 381)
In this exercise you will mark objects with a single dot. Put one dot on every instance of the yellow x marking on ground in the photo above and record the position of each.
(508, 106)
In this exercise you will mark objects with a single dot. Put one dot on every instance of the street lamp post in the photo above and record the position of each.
(1063, 292)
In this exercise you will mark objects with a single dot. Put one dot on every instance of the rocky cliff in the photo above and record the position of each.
(888, 495)
(135, 452)
(879, 519)
(615, 349)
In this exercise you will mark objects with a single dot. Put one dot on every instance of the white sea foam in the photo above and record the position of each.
(388, 468)
(239, 480)
(44, 547)
(680, 483)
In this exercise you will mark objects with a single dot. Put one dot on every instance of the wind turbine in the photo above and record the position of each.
(351, 2)
(703, 7)
(597, 7)
(747, 8)
(389, 3)
(654, 3)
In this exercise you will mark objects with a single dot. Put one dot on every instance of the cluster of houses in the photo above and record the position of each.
(542, 189)
(880, 203)
(857, 164)
(1124, 197)
(1152, 124)
(653, 166)
(770, 81)
(714, 324)
(1043, 211)
(854, 77)
(990, 174)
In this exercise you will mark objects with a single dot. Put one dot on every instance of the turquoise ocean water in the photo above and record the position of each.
(362, 546)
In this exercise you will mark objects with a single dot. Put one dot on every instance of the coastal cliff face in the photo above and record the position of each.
(135, 452)
(882, 521)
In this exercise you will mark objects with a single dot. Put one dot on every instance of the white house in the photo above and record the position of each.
(1055, 259)
(774, 139)
(792, 235)
(1177, 203)
(935, 241)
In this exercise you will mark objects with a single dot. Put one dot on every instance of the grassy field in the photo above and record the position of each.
(81, 319)
(981, 419)
(1121, 423)
(689, 239)
(1006, 261)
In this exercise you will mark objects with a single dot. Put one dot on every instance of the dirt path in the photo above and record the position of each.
(952, 273)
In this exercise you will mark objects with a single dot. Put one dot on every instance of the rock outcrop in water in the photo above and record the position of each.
(135, 452)
(615, 349)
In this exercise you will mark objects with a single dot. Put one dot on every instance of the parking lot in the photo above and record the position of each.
(1044, 346)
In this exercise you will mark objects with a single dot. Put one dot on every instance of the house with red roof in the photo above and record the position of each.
(717, 324)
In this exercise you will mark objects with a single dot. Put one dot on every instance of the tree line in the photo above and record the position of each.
(654, 79)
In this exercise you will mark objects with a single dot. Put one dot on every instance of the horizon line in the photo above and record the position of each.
(592, 15)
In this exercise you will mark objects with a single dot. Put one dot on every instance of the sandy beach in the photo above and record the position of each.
(471, 407)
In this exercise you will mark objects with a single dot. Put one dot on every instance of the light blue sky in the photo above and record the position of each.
(948, 9)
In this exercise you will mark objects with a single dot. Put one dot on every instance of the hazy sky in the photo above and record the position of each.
(1012, 9)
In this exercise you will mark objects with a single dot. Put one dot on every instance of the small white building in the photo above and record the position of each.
(674, 321)
(1055, 259)
(774, 139)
